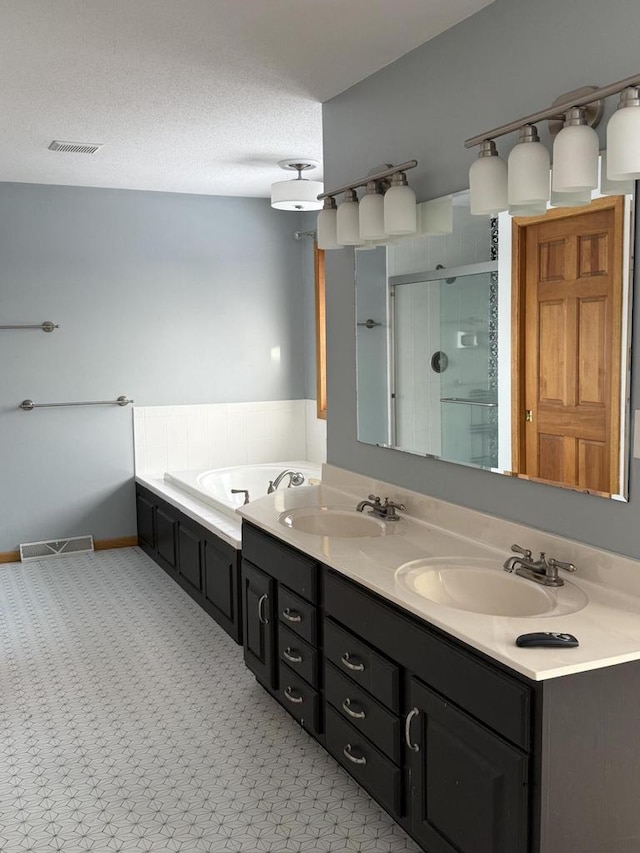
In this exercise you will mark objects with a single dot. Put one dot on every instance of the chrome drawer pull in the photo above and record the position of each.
(292, 658)
(357, 715)
(261, 617)
(297, 700)
(356, 667)
(291, 615)
(407, 729)
(356, 759)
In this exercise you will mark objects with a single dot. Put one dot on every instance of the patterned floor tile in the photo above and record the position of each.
(120, 728)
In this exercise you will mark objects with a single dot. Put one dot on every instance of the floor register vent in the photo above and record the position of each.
(56, 548)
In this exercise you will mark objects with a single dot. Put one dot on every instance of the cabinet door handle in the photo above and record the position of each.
(346, 660)
(261, 617)
(356, 759)
(291, 615)
(357, 715)
(407, 729)
(291, 658)
(297, 700)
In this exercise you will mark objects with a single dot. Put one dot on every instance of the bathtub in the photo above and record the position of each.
(214, 487)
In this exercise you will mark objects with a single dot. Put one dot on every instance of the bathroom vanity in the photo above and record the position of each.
(473, 747)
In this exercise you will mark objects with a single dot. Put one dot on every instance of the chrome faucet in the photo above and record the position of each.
(386, 510)
(543, 570)
(296, 478)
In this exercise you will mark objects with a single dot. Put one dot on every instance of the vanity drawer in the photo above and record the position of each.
(302, 701)
(364, 713)
(484, 690)
(298, 615)
(296, 570)
(364, 665)
(298, 655)
(364, 762)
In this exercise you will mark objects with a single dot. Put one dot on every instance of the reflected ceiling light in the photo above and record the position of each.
(528, 169)
(327, 225)
(623, 138)
(348, 220)
(488, 181)
(400, 212)
(299, 193)
(372, 213)
(528, 209)
(578, 199)
(575, 155)
(609, 186)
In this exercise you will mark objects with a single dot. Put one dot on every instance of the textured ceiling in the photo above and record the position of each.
(195, 96)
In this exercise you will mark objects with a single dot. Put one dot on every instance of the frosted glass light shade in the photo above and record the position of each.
(372, 217)
(327, 229)
(400, 212)
(575, 159)
(488, 186)
(348, 223)
(298, 194)
(528, 174)
(578, 199)
(615, 186)
(538, 209)
(623, 145)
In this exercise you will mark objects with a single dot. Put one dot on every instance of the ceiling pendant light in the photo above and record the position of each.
(348, 220)
(400, 211)
(623, 138)
(299, 193)
(372, 213)
(327, 225)
(488, 182)
(528, 169)
(575, 155)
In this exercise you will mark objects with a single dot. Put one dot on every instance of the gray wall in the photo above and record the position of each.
(514, 57)
(167, 298)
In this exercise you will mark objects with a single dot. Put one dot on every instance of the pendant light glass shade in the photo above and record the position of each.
(578, 199)
(613, 187)
(327, 226)
(488, 182)
(528, 169)
(348, 221)
(623, 138)
(400, 211)
(372, 213)
(575, 155)
(298, 194)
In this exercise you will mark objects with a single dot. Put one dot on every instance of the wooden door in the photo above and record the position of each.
(468, 786)
(567, 321)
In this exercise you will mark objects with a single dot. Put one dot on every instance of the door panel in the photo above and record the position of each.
(189, 557)
(259, 626)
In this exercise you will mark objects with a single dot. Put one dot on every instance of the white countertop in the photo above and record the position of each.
(608, 627)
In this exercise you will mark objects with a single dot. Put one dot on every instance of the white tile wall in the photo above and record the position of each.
(216, 435)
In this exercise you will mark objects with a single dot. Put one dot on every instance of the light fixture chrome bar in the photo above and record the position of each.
(47, 326)
(28, 405)
(445, 273)
(555, 111)
(376, 176)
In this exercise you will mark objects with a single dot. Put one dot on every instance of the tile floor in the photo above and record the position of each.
(129, 723)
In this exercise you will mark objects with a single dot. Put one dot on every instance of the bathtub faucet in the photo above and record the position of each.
(296, 478)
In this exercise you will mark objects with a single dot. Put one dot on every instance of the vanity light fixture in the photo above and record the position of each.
(400, 212)
(613, 187)
(372, 207)
(348, 220)
(299, 193)
(573, 118)
(623, 138)
(327, 225)
(488, 182)
(528, 170)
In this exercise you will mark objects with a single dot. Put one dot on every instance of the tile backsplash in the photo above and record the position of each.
(216, 435)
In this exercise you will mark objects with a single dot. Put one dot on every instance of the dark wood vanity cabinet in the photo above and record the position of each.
(205, 566)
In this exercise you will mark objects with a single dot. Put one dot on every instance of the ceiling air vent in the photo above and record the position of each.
(75, 147)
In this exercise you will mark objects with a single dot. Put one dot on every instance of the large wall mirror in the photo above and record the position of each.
(503, 343)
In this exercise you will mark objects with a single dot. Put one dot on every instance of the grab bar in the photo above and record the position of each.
(47, 326)
(27, 405)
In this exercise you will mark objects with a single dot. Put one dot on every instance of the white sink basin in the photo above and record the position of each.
(331, 521)
(481, 586)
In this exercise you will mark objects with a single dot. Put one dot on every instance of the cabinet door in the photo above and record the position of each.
(259, 627)
(189, 556)
(220, 584)
(166, 537)
(468, 787)
(146, 530)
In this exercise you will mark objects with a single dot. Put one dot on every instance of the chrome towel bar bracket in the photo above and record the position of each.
(28, 405)
(47, 326)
